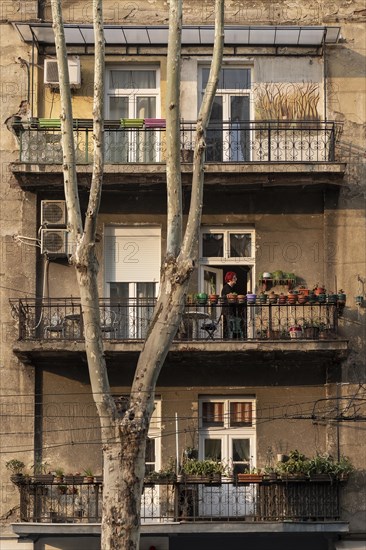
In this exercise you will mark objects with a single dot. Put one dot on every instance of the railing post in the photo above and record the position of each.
(269, 143)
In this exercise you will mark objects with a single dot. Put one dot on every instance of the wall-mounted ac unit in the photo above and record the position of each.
(53, 213)
(54, 242)
(51, 72)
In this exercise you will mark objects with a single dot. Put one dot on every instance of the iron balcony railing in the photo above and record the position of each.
(80, 502)
(236, 142)
(61, 319)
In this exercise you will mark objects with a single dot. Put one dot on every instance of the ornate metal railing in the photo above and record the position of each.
(81, 502)
(60, 318)
(241, 141)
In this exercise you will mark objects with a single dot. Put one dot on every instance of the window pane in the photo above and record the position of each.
(213, 245)
(212, 449)
(145, 107)
(136, 80)
(241, 450)
(150, 455)
(230, 79)
(240, 414)
(119, 292)
(118, 108)
(236, 79)
(241, 455)
(212, 414)
(240, 245)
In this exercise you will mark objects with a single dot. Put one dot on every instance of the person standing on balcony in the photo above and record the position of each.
(230, 283)
(232, 313)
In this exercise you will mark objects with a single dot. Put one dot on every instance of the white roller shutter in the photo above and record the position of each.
(132, 254)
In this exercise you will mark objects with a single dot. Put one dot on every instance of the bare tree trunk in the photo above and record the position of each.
(124, 439)
(180, 258)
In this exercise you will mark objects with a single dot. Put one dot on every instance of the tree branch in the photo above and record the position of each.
(173, 173)
(189, 248)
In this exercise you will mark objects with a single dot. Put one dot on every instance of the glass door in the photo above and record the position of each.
(212, 280)
(132, 96)
(228, 135)
(133, 304)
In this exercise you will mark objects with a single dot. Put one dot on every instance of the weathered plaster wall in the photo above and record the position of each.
(17, 275)
(331, 246)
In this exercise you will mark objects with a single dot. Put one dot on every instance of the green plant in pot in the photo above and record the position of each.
(296, 467)
(202, 298)
(165, 475)
(203, 470)
(321, 466)
(16, 467)
(343, 468)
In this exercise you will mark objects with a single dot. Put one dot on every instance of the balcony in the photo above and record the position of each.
(60, 319)
(52, 331)
(75, 501)
(274, 148)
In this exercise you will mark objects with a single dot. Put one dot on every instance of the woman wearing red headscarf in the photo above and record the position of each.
(232, 313)
(230, 282)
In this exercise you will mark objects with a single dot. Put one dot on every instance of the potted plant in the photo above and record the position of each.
(263, 298)
(16, 468)
(296, 468)
(253, 476)
(343, 468)
(232, 297)
(251, 298)
(295, 331)
(41, 475)
(272, 297)
(202, 298)
(59, 475)
(164, 476)
(291, 297)
(332, 297)
(88, 475)
(321, 468)
(319, 289)
(202, 471)
(310, 330)
(282, 299)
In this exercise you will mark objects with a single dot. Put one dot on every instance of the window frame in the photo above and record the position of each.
(226, 258)
(132, 93)
(227, 433)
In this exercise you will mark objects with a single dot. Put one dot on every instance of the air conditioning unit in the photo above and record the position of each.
(53, 213)
(51, 72)
(54, 243)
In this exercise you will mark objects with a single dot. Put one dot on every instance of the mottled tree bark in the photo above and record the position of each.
(124, 438)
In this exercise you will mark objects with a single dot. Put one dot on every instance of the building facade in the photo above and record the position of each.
(277, 372)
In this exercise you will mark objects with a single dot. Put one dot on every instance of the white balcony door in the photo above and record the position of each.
(228, 135)
(132, 93)
(227, 435)
(132, 270)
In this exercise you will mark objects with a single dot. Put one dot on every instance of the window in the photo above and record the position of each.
(228, 135)
(132, 272)
(228, 244)
(132, 93)
(227, 431)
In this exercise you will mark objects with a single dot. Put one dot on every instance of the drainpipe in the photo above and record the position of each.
(24, 63)
(325, 81)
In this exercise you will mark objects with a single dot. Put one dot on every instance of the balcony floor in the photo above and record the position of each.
(254, 175)
(33, 530)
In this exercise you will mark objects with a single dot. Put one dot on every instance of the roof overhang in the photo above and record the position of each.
(192, 35)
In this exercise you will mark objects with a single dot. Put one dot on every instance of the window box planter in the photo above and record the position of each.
(250, 478)
(210, 479)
